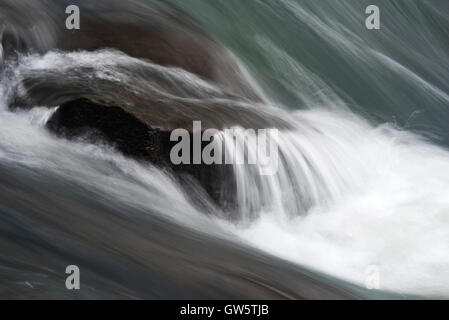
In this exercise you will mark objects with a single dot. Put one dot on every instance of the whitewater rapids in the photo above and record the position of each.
(356, 187)
(347, 195)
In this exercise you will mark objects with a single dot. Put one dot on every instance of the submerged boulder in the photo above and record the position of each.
(150, 30)
(135, 139)
(147, 57)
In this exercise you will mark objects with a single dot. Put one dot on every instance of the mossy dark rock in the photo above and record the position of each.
(133, 138)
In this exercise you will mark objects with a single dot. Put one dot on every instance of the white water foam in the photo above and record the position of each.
(376, 197)
(347, 195)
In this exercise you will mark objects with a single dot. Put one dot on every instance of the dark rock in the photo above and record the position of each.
(151, 30)
(133, 138)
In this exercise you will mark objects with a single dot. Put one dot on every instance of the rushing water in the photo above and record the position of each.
(363, 171)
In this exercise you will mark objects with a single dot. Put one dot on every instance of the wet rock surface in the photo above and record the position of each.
(98, 123)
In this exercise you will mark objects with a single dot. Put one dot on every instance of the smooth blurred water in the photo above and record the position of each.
(319, 54)
(362, 179)
(374, 194)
